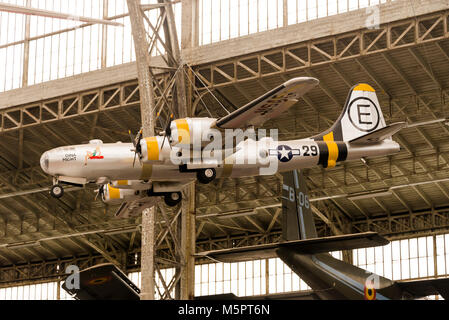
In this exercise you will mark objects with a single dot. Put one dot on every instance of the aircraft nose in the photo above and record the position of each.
(44, 162)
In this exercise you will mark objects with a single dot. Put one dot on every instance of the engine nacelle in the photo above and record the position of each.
(152, 149)
(113, 195)
(131, 184)
(184, 131)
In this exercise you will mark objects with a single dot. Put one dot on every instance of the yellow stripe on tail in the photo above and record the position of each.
(333, 149)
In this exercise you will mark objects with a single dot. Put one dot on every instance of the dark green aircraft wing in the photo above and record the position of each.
(263, 251)
(104, 282)
(307, 246)
(422, 288)
(336, 243)
(298, 230)
(293, 295)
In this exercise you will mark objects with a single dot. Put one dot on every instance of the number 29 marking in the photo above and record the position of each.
(309, 151)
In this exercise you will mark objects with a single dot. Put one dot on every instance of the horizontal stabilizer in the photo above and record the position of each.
(268, 106)
(380, 134)
(263, 251)
(103, 282)
(423, 288)
(293, 295)
(336, 243)
(307, 246)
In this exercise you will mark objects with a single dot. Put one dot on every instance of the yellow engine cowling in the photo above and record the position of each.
(185, 131)
(115, 195)
(152, 149)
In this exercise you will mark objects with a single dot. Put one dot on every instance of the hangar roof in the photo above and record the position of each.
(405, 61)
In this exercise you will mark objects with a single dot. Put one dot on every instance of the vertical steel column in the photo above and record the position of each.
(147, 106)
(58, 290)
(186, 285)
(190, 24)
(104, 35)
(186, 233)
(20, 155)
(171, 41)
(185, 248)
(285, 13)
(267, 277)
(26, 48)
(435, 259)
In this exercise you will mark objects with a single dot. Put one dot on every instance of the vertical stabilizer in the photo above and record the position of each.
(297, 216)
(361, 115)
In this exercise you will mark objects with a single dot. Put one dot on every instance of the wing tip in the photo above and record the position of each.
(302, 80)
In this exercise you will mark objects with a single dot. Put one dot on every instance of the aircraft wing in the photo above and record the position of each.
(307, 246)
(263, 251)
(293, 295)
(268, 106)
(103, 282)
(422, 288)
(336, 243)
(135, 207)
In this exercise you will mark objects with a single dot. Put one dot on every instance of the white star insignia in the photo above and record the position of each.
(284, 153)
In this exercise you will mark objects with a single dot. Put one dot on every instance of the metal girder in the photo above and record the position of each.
(345, 47)
(53, 14)
(227, 198)
(436, 221)
(67, 107)
(147, 111)
(150, 108)
(406, 225)
(51, 269)
(404, 34)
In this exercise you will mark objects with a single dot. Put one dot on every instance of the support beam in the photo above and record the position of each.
(147, 106)
(26, 48)
(188, 239)
(190, 24)
(53, 14)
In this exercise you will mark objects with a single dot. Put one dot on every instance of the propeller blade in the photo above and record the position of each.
(167, 132)
(163, 141)
(132, 138)
(134, 161)
(100, 192)
(137, 147)
(140, 161)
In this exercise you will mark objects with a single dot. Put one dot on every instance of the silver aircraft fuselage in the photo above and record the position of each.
(102, 162)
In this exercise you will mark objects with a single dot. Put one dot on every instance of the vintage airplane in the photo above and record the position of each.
(359, 132)
(307, 255)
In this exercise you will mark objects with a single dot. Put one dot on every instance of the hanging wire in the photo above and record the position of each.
(207, 88)
(168, 104)
(197, 92)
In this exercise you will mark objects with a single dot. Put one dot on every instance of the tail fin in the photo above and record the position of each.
(361, 115)
(298, 230)
(297, 219)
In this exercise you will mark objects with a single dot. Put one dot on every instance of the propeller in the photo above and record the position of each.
(137, 147)
(100, 192)
(167, 132)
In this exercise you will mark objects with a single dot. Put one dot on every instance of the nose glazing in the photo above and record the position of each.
(44, 162)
